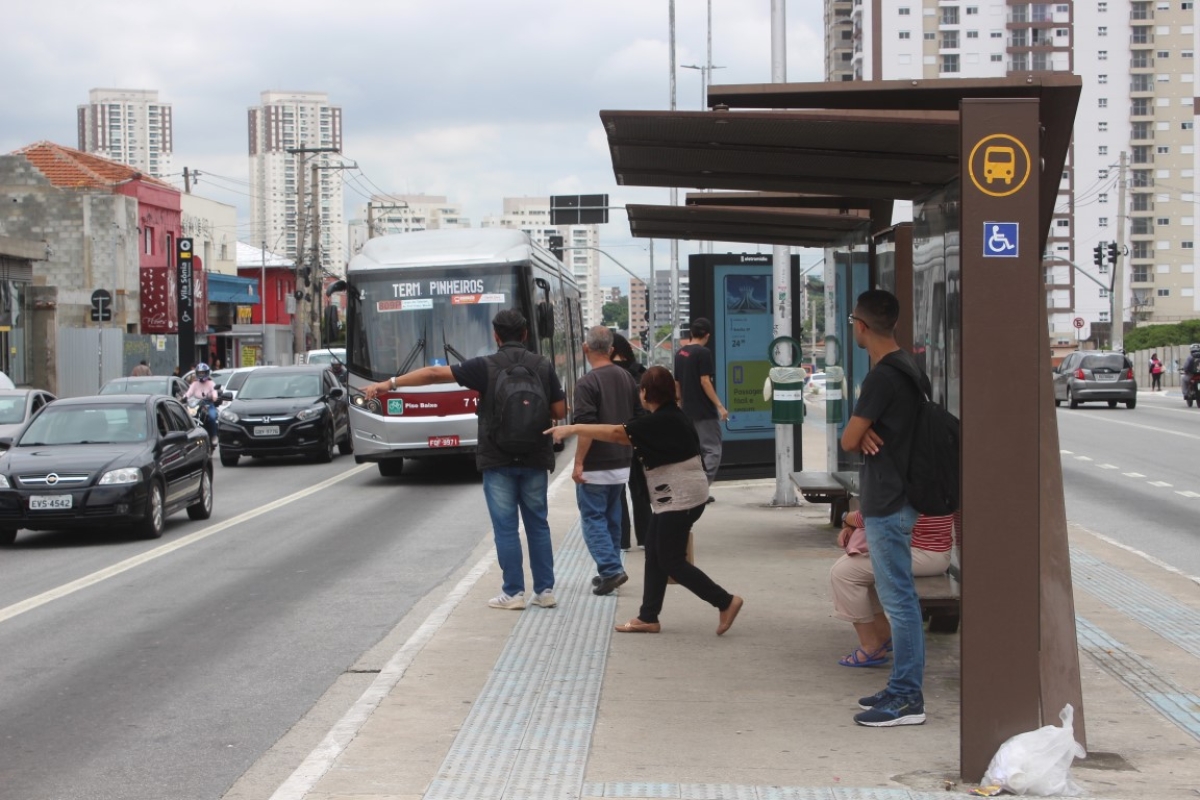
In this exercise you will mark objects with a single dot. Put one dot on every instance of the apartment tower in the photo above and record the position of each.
(1137, 62)
(532, 215)
(290, 133)
(129, 126)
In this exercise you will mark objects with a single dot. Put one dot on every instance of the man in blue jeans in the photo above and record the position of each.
(511, 483)
(606, 395)
(881, 430)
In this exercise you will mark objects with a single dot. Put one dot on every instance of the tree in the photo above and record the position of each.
(616, 314)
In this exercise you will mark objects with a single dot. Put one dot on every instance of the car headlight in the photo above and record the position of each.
(228, 416)
(4, 482)
(120, 476)
(309, 413)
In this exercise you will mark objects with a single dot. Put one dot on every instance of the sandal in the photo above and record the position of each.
(861, 658)
(635, 625)
(888, 645)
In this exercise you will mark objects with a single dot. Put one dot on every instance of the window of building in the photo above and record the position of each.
(1102, 7)
(148, 240)
(1102, 197)
(1062, 223)
(1103, 292)
(1103, 150)
(1162, 150)
(972, 10)
(997, 56)
(1102, 102)
(1102, 55)
(1104, 316)
(1103, 174)
(930, 36)
(950, 63)
(1162, 221)
(950, 15)
(1102, 126)
(1102, 31)
(1186, 245)
(1102, 222)
(905, 34)
(1187, 126)
(949, 40)
(996, 34)
(1187, 53)
(904, 12)
(1062, 9)
(1162, 54)
(1164, 78)
(972, 34)
(1164, 292)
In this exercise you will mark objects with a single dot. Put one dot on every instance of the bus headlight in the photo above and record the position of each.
(373, 405)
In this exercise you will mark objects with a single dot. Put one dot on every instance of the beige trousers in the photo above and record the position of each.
(853, 583)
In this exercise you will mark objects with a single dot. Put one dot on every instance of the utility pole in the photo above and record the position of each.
(1118, 285)
(299, 318)
(187, 181)
(674, 201)
(781, 262)
(262, 303)
(312, 298)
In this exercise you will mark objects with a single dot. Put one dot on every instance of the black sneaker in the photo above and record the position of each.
(867, 703)
(608, 585)
(596, 580)
(894, 711)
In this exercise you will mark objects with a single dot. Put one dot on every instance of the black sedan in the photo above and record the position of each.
(113, 460)
(286, 411)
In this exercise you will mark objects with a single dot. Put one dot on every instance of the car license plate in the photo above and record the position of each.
(443, 441)
(266, 430)
(53, 502)
(1106, 377)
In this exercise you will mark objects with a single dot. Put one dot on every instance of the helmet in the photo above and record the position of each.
(1195, 349)
(203, 373)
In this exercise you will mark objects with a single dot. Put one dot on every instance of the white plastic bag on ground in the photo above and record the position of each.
(1038, 762)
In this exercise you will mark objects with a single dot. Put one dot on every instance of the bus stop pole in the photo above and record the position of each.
(781, 264)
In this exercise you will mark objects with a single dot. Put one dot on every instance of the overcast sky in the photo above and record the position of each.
(472, 99)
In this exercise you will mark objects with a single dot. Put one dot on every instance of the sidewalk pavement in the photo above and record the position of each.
(550, 703)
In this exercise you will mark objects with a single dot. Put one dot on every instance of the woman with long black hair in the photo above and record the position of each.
(665, 443)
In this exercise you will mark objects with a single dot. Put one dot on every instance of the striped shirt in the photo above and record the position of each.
(932, 534)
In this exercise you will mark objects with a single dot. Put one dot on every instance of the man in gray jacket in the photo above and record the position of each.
(606, 395)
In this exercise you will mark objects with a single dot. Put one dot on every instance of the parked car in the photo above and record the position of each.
(167, 385)
(286, 411)
(17, 406)
(815, 383)
(1095, 375)
(86, 462)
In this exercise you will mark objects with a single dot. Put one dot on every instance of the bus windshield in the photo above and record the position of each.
(405, 319)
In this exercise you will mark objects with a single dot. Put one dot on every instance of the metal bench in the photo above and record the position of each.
(940, 598)
(834, 488)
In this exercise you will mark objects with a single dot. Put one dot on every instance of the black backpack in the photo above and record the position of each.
(932, 482)
(520, 411)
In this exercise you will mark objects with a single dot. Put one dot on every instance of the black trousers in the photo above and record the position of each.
(641, 506)
(666, 556)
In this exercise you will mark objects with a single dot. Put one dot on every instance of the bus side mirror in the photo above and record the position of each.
(545, 320)
(333, 288)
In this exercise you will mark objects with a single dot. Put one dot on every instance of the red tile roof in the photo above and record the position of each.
(73, 169)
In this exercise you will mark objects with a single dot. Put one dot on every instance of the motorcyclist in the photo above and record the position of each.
(205, 391)
(1190, 367)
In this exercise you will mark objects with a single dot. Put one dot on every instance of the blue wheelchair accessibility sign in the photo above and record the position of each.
(1000, 239)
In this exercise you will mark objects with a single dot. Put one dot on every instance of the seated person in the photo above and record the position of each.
(853, 582)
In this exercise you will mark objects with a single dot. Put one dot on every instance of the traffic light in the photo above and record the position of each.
(1112, 253)
(1098, 255)
(556, 246)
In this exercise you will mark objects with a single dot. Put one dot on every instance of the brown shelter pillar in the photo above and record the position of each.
(1004, 316)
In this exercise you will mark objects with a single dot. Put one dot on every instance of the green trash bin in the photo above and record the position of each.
(787, 386)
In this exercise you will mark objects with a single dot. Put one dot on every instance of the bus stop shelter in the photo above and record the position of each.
(982, 161)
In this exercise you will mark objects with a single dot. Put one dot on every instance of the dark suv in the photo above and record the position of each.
(1095, 375)
(286, 411)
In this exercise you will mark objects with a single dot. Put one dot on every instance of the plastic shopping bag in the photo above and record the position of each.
(1038, 762)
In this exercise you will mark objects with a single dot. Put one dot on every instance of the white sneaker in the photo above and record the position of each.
(545, 599)
(513, 602)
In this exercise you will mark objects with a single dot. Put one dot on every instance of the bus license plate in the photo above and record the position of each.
(266, 430)
(54, 502)
(443, 441)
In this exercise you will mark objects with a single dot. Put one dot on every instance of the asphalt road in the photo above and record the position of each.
(172, 676)
(1134, 475)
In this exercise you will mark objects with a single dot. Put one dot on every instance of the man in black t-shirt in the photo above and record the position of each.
(881, 430)
(695, 388)
(509, 482)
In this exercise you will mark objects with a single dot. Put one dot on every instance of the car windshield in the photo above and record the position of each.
(137, 386)
(12, 409)
(235, 381)
(1104, 362)
(272, 386)
(64, 424)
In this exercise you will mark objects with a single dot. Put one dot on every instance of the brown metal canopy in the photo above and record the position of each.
(797, 227)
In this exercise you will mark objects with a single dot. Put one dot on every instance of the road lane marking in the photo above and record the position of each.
(1066, 452)
(321, 759)
(1188, 494)
(16, 609)
(1108, 466)
(1083, 458)
(1133, 474)
(1111, 421)
(1161, 484)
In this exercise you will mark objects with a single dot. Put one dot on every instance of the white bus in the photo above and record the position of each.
(427, 299)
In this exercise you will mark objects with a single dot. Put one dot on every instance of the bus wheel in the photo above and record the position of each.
(391, 467)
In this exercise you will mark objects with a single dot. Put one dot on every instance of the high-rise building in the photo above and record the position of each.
(1137, 61)
(290, 134)
(386, 214)
(664, 309)
(129, 126)
(638, 309)
(532, 215)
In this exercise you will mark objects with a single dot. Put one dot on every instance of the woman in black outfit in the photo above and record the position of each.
(622, 355)
(665, 443)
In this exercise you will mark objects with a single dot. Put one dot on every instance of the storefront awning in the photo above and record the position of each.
(232, 289)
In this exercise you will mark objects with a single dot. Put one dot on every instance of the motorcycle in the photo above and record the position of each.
(204, 412)
(1191, 389)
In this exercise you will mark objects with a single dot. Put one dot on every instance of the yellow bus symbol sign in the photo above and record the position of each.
(999, 165)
